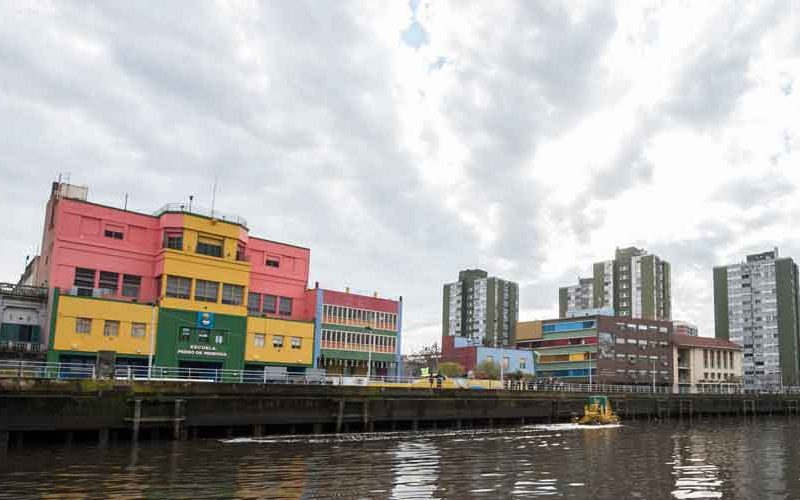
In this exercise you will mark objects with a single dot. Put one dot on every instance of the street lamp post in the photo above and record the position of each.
(654, 376)
(369, 352)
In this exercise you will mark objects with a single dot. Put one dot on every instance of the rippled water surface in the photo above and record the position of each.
(754, 459)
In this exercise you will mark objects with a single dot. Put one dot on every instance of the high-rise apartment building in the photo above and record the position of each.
(635, 284)
(481, 308)
(756, 306)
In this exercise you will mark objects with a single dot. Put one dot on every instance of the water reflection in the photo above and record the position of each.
(694, 476)
(719, 459)
(416, 469)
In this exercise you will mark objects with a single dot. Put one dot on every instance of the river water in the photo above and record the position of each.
(742, 459)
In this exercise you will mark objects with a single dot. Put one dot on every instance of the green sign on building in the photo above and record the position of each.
(189, 338)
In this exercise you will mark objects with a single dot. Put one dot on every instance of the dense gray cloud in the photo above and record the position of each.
(300, 110)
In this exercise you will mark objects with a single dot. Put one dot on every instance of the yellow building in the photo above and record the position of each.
(91, 325)
(274, 341)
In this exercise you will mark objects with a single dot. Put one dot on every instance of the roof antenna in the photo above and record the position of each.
(126, 202)
(214, 196)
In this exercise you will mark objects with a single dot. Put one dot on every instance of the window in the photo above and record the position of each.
(296, 342)
(186, 333)
(83, 326)
(253, 303)
(258, 339)
(620, 340)
(209, 246)
(277, 341)
(173, 239)
(270, 303)
(138, 330)
(522, 364)
(113, 232)
(506, 362)
(489, 359)
(84, 281)
(219, 339)
(108, 281)
(131, 285)
(179, 288)
(286, 306)
(232, 294)
(273, 263)
(202, 335)
(206, 291)
(111, 328)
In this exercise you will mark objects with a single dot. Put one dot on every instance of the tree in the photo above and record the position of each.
(487, 369)
(451, 369)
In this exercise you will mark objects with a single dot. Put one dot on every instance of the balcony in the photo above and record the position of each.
(17, 346)
(36, 292)
(203, 212)
(98, 293)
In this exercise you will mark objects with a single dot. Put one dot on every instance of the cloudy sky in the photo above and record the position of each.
(402, 141)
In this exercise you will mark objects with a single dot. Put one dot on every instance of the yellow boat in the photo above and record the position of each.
(597, 411)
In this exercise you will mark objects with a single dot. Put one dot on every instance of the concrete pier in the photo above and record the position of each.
(60, 410)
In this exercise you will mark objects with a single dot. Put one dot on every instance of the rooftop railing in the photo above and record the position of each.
(202, 211)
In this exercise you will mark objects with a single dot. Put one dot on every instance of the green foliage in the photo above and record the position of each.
(450, 369)
(487, 370)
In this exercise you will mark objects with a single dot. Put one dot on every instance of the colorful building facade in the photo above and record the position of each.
(603, 349)
(358, 334)
(191, 289)
(469, 354)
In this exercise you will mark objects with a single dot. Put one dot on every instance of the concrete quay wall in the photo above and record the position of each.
(48, 410)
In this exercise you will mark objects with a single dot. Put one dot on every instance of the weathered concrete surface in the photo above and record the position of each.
(40, 405)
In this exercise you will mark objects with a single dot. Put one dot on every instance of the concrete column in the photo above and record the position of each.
(258, 430)
(340, 416)
(365, 416)
(177, 423)
(102, 437)
(292, 429)
(137, 418)
(458, 423)
(415, 425)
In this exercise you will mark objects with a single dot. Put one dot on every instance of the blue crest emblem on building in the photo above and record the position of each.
(205, 319)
